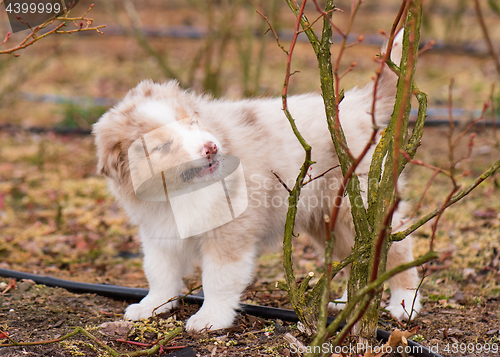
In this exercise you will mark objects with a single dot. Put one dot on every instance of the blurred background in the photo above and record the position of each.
(56, 216)
(220, 47)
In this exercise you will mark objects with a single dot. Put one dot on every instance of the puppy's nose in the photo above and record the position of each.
(209, 148)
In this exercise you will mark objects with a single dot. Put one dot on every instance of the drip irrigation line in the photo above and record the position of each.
(68, 99)
(42, 129)
(136, 294)
(442, 113)
(435, 116)
(62, 130)
(467, 47)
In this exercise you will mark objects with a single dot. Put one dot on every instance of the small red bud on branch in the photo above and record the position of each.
(471, 141)
(7, 36)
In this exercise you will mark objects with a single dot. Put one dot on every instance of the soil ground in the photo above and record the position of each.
(57, 219)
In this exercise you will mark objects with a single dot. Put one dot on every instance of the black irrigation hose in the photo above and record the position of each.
(124, 293)
(465, 47)
(80, 131)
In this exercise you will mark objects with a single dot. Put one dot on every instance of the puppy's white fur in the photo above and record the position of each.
(257, 132)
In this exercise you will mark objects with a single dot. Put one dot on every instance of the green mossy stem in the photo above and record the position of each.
(306, 311)
(370, 290)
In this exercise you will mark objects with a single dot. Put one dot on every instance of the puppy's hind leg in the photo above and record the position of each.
(404, 285)
(227, 270)
(165, 263)
(340, 303)
(344, 234)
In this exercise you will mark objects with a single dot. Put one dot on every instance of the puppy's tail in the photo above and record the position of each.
(386, 88)
(397, 47)
(388, 79)
(358, 102)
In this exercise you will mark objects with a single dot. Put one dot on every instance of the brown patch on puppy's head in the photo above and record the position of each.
(126, 122)
(114, 133)
(248, 117)
(112, 163)
(144, 109)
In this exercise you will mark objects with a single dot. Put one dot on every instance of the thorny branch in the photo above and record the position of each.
(281, 181)
(454, 199)
(271, 28)
(412, 310)
(450, 173)
(484, 29)
(318, 18)
(382, 210)
(395, 145)
(389, 187)
(35, 35)
(320, 175)
(175, 298)
(321, 48)
(371, 289)
(384, 229)
(305, 312)
(326, 16)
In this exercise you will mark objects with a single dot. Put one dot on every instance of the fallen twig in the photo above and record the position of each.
(80, 330)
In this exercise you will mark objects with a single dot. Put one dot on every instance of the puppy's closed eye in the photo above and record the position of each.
(164, 147)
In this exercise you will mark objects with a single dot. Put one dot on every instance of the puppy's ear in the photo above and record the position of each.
(112, 161)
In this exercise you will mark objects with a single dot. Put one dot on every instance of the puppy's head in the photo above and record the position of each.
(154, 128)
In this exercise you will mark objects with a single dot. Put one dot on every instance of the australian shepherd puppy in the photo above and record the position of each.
(195, 175)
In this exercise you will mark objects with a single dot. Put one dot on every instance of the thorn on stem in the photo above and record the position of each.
(471, 141)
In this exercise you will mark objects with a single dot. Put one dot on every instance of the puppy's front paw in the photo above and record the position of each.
(205, 320)
(136, 312)
(144, 310)
(396, 308)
